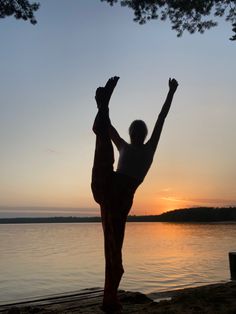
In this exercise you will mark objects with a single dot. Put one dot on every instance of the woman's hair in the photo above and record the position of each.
(138, 130)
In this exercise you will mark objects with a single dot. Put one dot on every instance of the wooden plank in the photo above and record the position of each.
(84, 294)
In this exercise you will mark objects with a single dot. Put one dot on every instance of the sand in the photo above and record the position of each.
(213, 299)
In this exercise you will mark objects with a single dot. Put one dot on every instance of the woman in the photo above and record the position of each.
(114, 190)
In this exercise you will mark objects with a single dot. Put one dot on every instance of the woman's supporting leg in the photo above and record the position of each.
(113, 228)
(114, 215)
(120, 205)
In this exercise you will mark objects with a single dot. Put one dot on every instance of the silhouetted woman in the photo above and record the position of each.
(114, 190)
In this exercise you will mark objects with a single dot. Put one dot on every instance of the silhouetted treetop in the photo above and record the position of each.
(191, 15)
(20, 9)
(200, 214)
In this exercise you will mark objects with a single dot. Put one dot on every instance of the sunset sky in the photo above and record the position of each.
(49, 74)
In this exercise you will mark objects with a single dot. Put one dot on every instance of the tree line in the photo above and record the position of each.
(196, 214)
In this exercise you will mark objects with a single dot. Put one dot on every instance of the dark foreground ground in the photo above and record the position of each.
(214, 299)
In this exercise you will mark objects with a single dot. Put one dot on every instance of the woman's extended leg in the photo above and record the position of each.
(104, 154)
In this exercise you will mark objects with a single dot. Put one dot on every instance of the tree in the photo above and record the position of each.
(190, 15)
(21, 9)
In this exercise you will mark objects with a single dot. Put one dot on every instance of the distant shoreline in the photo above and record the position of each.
(13, 222)
(188, 215)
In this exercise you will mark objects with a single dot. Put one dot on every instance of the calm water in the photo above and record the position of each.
(42, 259)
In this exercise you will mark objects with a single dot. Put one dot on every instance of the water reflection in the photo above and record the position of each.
(177, 255)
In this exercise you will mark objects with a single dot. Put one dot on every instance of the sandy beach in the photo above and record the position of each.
(214, 299)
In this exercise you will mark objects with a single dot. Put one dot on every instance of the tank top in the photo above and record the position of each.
(135, 161)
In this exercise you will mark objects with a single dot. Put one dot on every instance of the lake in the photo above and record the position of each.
(42, 259)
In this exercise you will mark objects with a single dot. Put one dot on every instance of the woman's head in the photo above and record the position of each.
(138, 132)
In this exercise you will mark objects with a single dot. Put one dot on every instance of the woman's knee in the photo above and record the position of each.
(97, 195)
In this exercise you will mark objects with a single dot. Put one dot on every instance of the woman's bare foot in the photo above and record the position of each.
(103, 94)
(111, 303)
(114, 308)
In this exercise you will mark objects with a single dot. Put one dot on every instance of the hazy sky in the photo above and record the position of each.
(49, 73)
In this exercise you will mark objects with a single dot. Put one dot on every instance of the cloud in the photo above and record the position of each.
(52, 151)
(8, 212)
(166, 189)
(201, 201)
(173, 199)
(219, 201)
